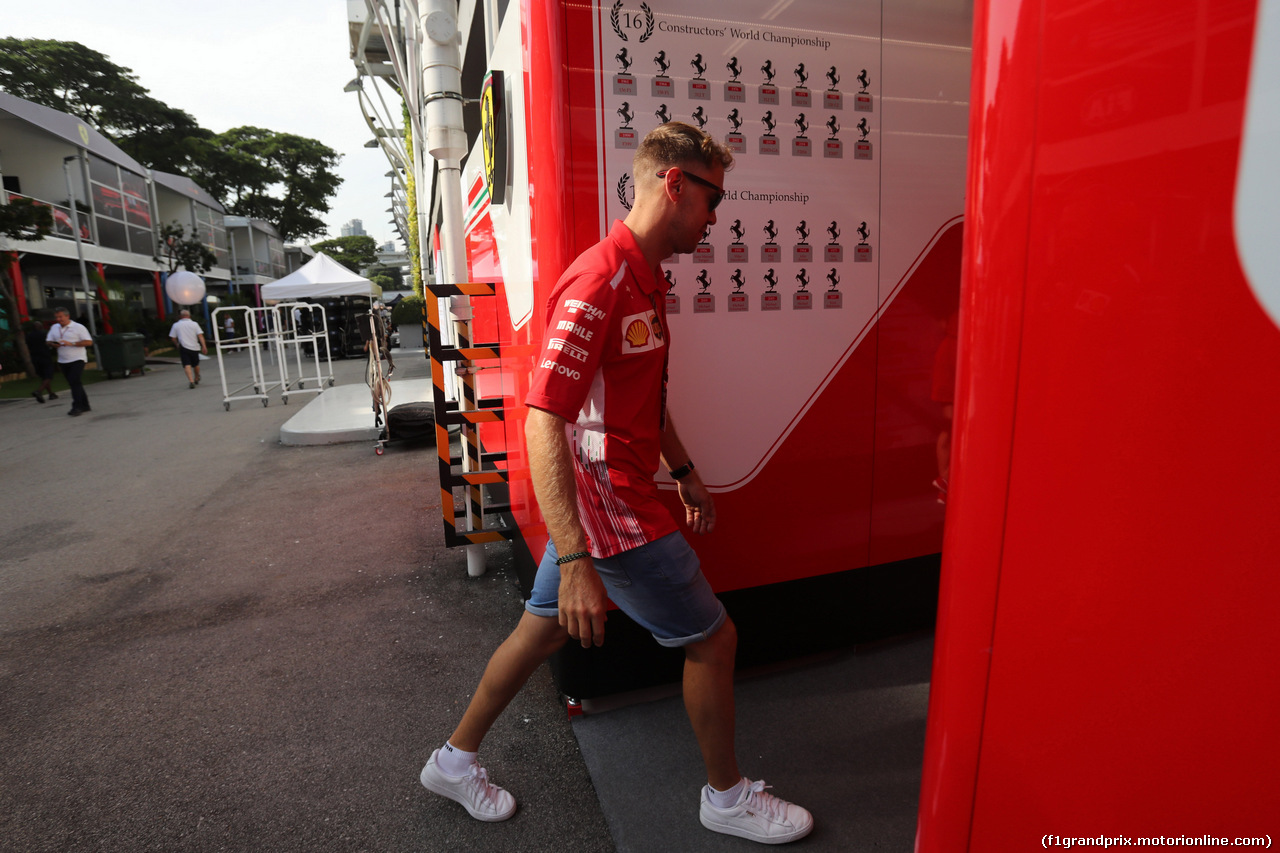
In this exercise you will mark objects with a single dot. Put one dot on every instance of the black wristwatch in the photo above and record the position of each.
(683, 471)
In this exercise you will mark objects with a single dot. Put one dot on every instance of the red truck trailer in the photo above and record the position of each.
(806, 327)
(1106, 652)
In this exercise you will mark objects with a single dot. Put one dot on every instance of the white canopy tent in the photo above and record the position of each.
(320, 277)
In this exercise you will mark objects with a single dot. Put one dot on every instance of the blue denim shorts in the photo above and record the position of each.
(659, 585)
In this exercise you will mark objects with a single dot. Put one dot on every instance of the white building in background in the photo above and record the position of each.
(354, 228)
(58, 160)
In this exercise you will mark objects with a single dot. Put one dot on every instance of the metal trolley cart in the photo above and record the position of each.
(301, 326)
(250, 342)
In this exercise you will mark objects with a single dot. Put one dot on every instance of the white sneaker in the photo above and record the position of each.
(758, 816)
(482, 799)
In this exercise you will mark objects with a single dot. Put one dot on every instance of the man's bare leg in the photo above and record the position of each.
(708, 699)
(747, 811)
(532, 642)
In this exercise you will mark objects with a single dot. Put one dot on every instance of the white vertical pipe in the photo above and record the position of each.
(447, 143)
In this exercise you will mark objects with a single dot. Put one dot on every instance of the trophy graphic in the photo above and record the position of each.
(700, 117)
(802, 252)
(737, 249)
(624, 82)
(737, 299)
(625, 136)
(735, 92)
(704, 302)
(734, 139)
(769, 252)
(862, 252)
(768, 91)
(832, 147)
(802, 300)
(833, 298)
(800, 146)
(832, 99)
(834, 252)
(771, 300)
(768, 142)
(673, 300)
(662, 86)
(699, 88)
(704, 252)
(862, 100)
(862, 148)
(662, 114)
(800, 95)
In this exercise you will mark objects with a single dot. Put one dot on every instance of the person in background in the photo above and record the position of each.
(71, 340)
(188, 337)
(41, 360)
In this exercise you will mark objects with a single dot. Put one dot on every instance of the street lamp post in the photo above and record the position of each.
(75, 228)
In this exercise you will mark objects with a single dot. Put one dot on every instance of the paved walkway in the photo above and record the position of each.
(210, 640)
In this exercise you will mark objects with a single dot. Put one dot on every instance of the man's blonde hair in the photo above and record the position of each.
(675, 144)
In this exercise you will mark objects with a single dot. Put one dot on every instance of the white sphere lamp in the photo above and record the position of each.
(184, 287)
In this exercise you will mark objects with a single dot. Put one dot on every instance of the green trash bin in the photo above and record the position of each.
(120, 353)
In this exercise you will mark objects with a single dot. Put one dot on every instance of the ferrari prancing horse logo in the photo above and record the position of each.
(493, 132)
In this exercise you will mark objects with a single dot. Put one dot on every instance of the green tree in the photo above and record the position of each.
(75, 79)
(354, 253)
(393, 274)
(280, 177)
(20, 219)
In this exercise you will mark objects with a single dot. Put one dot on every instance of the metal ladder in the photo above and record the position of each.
(479, 519)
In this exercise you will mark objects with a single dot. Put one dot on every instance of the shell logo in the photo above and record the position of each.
(638, 333)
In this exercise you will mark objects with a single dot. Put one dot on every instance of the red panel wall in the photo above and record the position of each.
(1106, 652)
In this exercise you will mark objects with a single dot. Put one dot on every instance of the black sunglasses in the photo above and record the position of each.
(715, 199)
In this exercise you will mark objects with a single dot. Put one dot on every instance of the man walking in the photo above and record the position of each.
(71, 340)
(188, 337)
(41, 359)
(597, 428)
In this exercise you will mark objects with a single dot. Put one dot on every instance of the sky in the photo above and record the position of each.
(278, 64)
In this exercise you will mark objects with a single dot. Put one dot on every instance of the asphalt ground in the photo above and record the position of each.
(210, 641)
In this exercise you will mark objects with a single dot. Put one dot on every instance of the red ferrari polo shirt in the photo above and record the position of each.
(602, 369)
